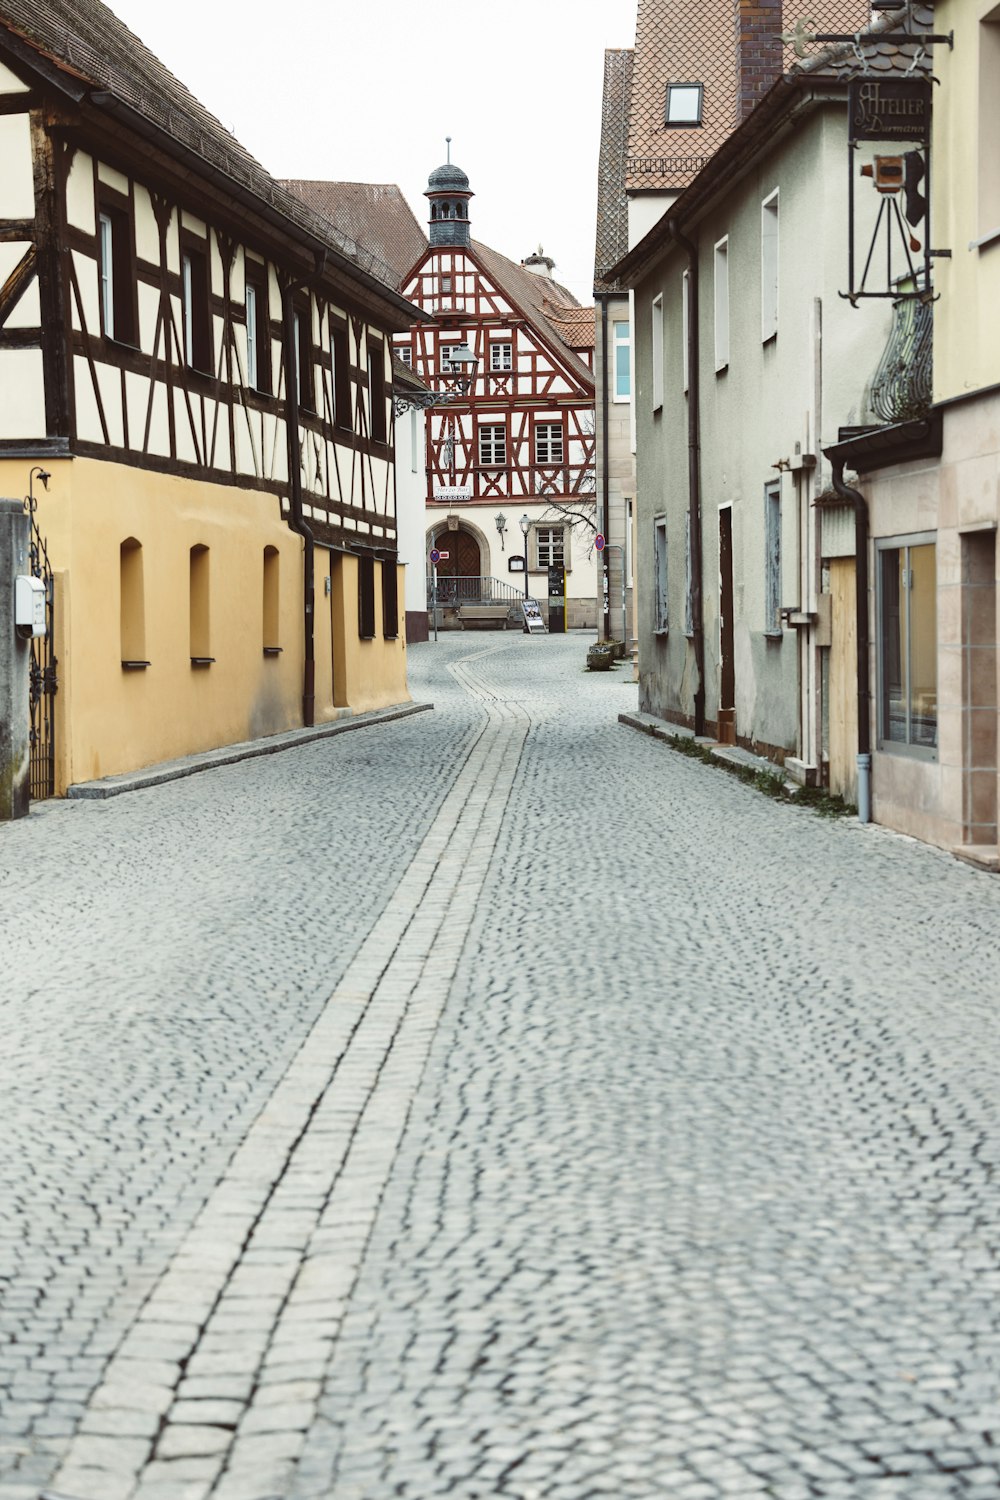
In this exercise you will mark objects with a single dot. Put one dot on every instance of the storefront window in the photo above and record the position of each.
(907, 581)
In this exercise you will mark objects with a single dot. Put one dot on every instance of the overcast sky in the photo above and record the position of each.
(367, 92)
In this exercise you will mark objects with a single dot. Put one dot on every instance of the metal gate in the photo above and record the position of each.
(42, 676)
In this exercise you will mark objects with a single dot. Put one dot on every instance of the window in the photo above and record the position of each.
(366, 598)
(989, 125)
(548, 443)
(449, 364)
(722, 305)
(340, 361)
(684, 101)
(500, 356)
(657, 333)
(660, 575)
(195, 314)
(446, 283)
(550, 544)
(116, 270)
(200, 607)
(907, 641)
(686, 328)
(621, 344)
(390, 600)
(133, 613)
(493, 443)
(258, 332)
(769, 268)
(304, 377)
(772, 559)
(271, 602)
(405, 355)
(376, 391)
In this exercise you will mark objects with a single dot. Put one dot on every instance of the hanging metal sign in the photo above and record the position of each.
(890, 109)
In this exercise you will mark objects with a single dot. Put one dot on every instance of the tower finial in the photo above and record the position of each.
(448, 139)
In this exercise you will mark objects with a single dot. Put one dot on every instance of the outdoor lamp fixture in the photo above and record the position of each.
(501, 524)
(43, 476)
(525, 525)
(463, 355)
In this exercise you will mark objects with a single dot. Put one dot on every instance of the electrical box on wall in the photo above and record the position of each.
(29, 606)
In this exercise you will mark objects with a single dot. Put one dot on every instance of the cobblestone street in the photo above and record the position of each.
(494, 1102)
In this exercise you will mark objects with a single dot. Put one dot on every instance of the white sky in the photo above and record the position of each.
(367, 92)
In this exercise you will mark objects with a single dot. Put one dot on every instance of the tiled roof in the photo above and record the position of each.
(91, 47)
(405, 378)
(540, 299)
(841, 59)
(575, 326)
(612, 202)
(375, 214)
(694, 41)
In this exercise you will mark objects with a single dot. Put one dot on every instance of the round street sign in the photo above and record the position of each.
(600, 542)
(435, 555)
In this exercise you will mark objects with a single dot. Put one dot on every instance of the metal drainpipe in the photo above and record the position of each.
(296, 519)
(694, 476)
(855, 498)
(605, 479)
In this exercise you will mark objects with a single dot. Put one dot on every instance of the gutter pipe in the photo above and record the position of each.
(605, 480)
(857, 500)
(694, 475)
(296, 519)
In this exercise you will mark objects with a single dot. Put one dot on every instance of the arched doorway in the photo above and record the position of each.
(464, 559)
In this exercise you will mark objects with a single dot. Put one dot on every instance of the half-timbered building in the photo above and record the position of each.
(202, 366)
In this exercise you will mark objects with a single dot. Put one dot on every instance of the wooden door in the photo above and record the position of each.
(843, 706)
(463, 559)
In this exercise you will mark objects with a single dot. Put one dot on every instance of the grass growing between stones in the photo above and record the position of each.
(768, 783)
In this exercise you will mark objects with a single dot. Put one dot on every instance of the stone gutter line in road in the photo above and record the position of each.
(213, 1388)
(228, 755)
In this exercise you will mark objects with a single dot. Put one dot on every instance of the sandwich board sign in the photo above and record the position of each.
(532, 616)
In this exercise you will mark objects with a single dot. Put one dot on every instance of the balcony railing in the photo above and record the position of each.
(902, 388)
(452, 592)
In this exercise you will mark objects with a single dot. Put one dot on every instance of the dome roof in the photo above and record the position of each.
(448, 179)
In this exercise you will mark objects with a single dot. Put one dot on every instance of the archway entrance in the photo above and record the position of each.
(464, 558)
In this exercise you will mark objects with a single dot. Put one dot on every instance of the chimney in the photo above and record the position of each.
(758, 51)
(540, 263)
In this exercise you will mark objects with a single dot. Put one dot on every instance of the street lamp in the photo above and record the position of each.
(525, 525)
(463, 355)
(501, 525)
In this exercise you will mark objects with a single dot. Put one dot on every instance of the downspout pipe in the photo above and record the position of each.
(605, 477)
(694, 474)
(296, 518)
(858, 501)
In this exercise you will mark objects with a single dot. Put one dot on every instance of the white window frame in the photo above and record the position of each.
(107, 274)
(555, 542)
(660, 596)
(721, 264)
(492, 454)
(549, 438)
(445, 352)
(187, 309)
(405, 354)
(620, 341)
(769, 232)
(501, 356)
(250, 297)
(685, 329)
(656, 322)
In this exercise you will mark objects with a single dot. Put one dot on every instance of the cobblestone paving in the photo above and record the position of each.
(495, 1104)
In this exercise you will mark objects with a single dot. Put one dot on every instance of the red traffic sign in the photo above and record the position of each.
(435, 555)
(443, 556)
(600, 542)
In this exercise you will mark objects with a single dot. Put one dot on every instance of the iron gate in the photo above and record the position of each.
(42, 676)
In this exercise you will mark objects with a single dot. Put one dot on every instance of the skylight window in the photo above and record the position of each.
(684, 103)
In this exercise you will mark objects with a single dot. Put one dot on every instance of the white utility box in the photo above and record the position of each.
(29, 605)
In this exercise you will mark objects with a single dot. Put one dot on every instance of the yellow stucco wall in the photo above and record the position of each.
(965, 206)
(109, 719)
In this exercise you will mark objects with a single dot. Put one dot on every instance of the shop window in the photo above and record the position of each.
(907, 644)
(271, 601)
(199, 604)
(133, 605)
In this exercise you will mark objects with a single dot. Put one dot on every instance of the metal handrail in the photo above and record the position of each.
(453, 592)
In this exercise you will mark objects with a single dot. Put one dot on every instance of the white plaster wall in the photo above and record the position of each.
(10, 83)
(112, 177)
(17, 188)
(645, 210)
(88, 422)
(410, 509)
(22, 411)
(80, 193)
(147, 236)
(86, 280)
(137, 397)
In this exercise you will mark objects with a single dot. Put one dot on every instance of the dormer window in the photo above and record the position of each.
(684, 101)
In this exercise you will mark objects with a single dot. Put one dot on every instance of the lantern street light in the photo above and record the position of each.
(525, 525)
(501, 525)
